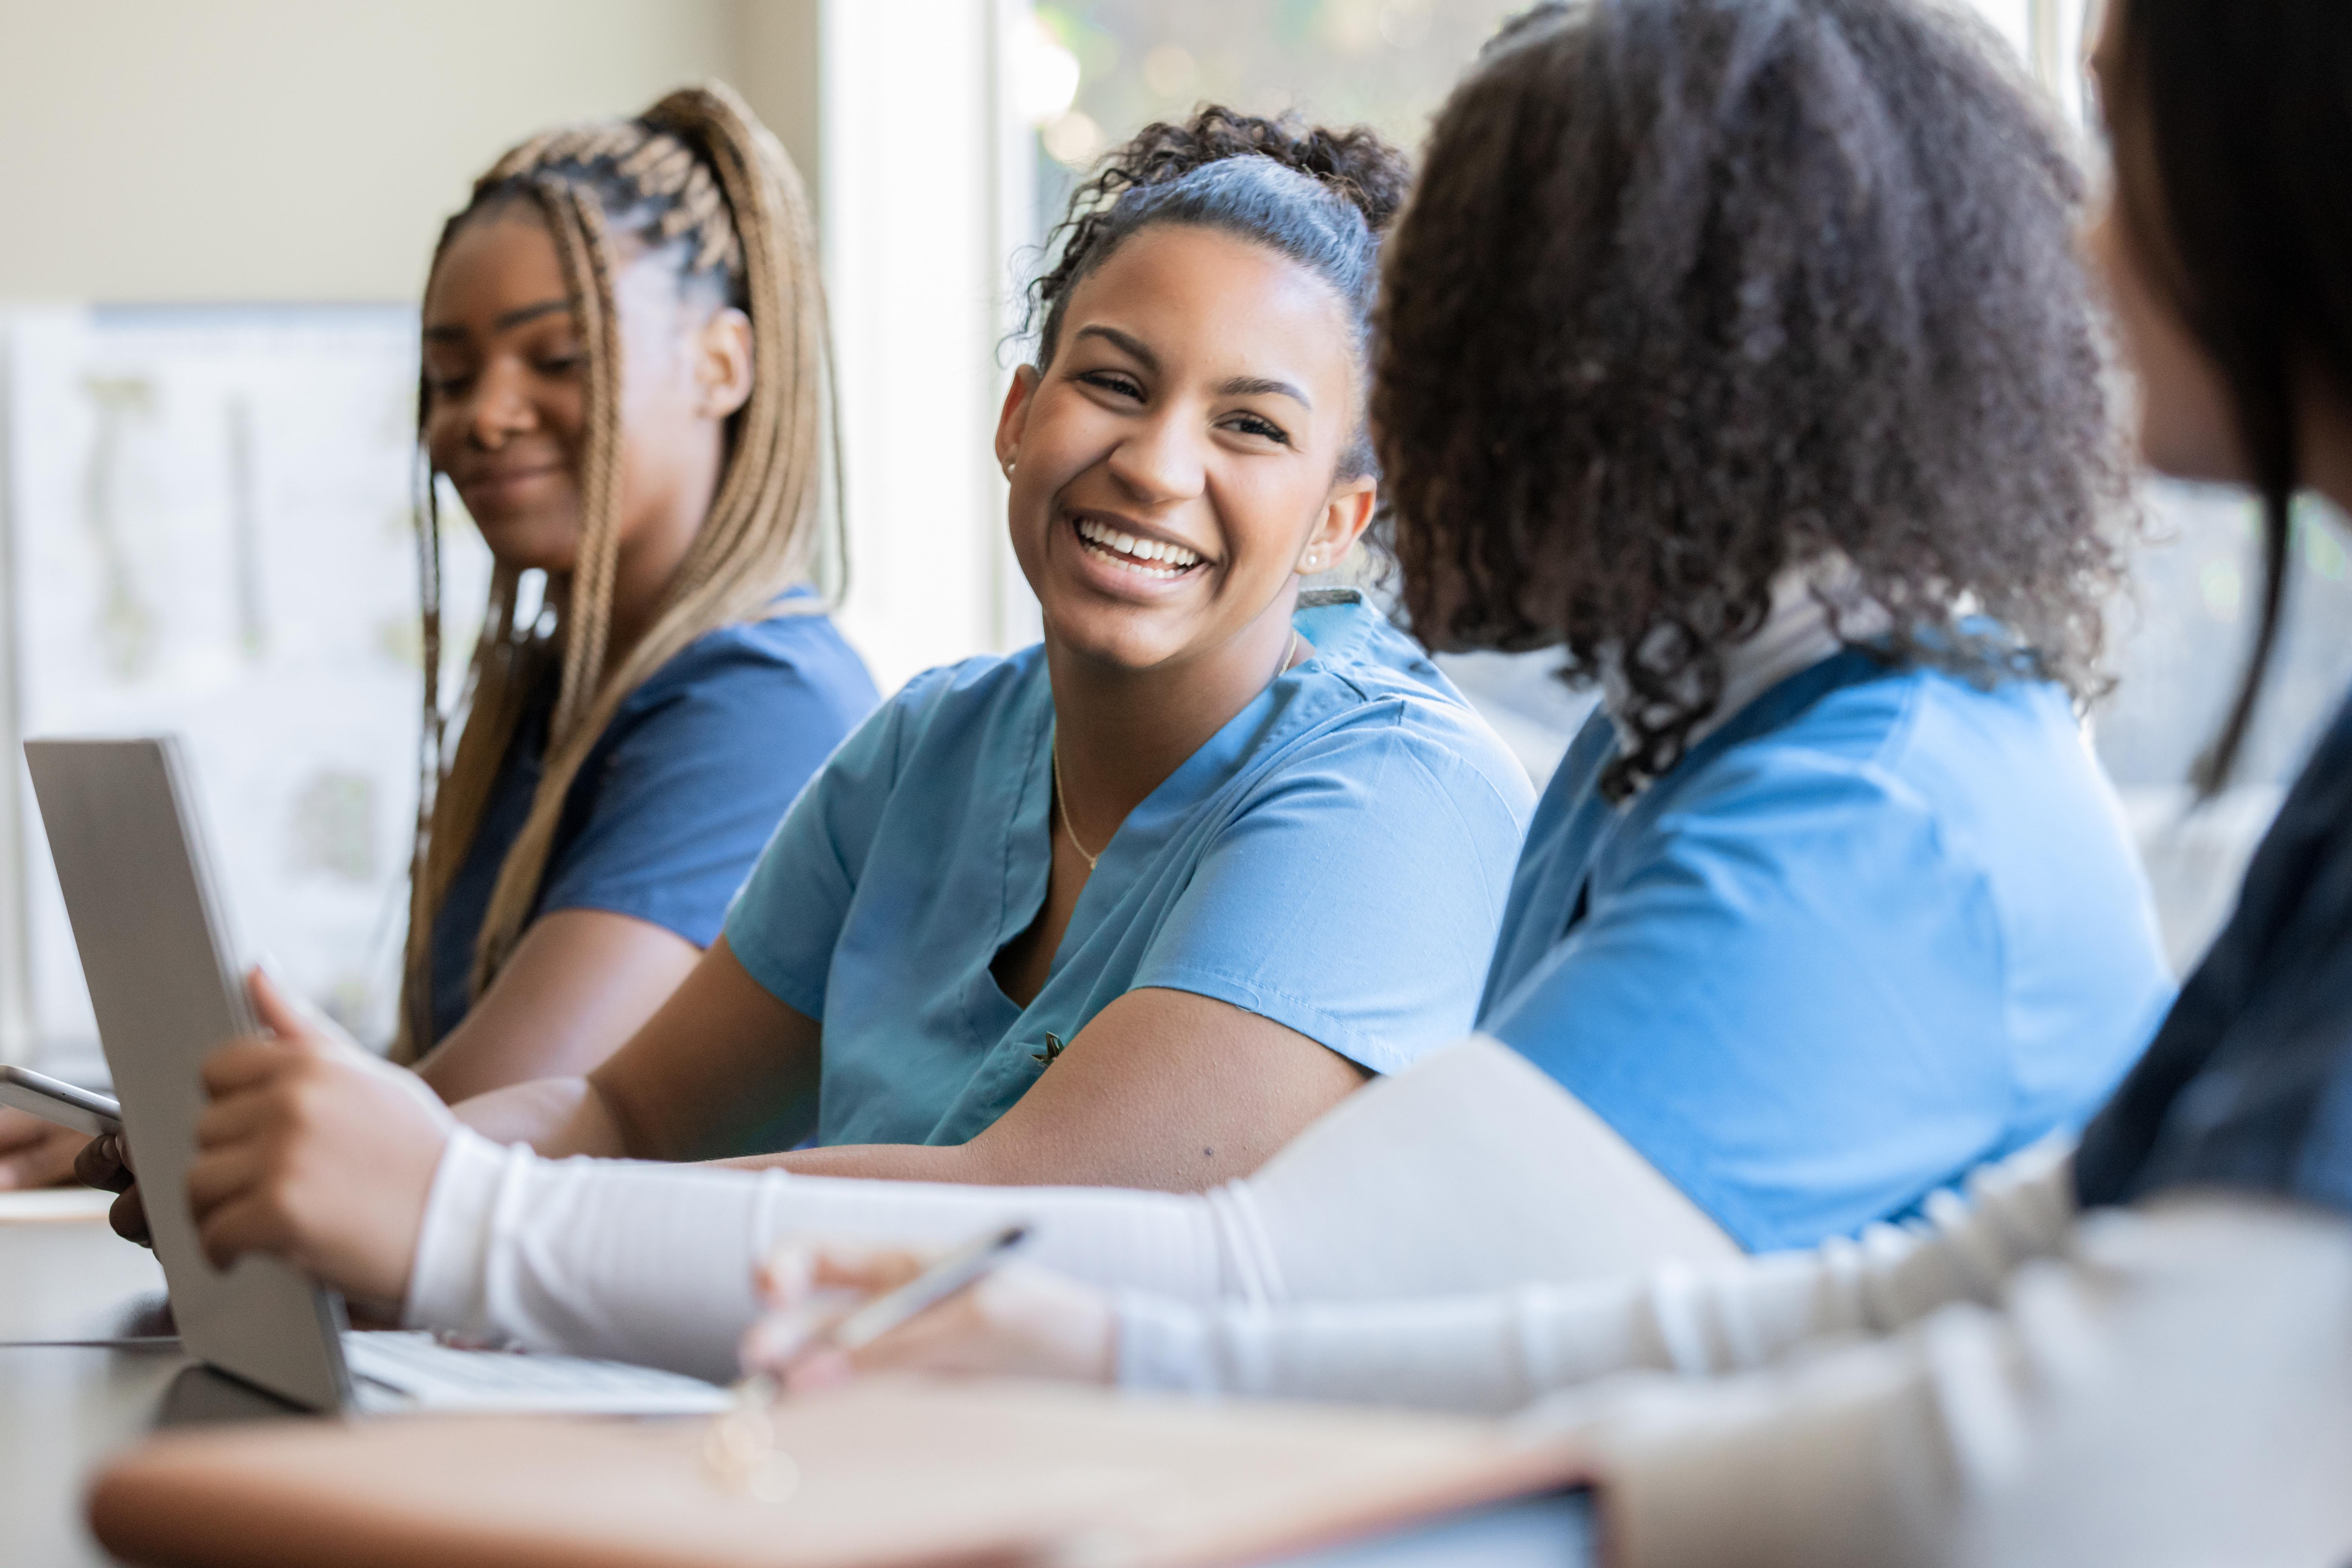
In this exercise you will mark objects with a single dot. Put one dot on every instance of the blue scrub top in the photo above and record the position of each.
(1336, 858)
(1880, 926)
(671, 809)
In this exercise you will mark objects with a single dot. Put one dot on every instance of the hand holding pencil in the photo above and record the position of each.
(836, 1312)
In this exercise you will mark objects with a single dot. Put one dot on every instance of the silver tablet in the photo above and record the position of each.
(167, 985)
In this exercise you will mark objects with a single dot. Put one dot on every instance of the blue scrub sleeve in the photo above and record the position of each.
(788, 918)
(1355, 901)
(1761, 1006)
(686, 796)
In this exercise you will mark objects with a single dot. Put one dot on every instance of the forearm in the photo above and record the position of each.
(957, 1163)
(577, 986)
(557, 1116)
(1502, 1349)
(983, 1161)
(2177, 1390)
(654, 1263)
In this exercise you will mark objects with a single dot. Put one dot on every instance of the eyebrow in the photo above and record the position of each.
(1126, 342)
(507, 322)
(1238, 387)
(1264, 387)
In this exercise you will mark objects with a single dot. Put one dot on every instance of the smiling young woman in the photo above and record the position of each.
(623, 380)
(1133, 905)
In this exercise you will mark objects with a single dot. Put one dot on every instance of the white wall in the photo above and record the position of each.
(288, 150)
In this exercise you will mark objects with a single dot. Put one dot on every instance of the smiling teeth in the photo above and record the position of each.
(1174, 557)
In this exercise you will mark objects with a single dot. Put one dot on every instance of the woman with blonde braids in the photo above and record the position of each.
(623, 381)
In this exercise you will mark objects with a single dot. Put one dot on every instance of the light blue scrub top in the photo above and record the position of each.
(1880, 927)
(1336, 858)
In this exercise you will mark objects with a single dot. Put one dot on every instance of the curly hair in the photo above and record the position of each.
(1319, 196)
(1692, 293)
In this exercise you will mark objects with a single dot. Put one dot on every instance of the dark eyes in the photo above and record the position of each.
(1120, 385)
(1251, 424)
(1112, 381)
(549, 365)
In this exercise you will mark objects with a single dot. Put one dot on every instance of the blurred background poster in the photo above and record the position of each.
(208, 531)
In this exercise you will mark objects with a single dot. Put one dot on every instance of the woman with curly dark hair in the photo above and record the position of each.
(1744, 350)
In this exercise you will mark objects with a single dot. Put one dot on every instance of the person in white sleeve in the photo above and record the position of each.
(2139, 1349)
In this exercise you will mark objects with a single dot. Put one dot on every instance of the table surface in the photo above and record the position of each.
(88, 1367)
(68, 1402)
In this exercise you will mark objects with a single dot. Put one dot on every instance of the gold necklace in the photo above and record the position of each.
(1062, 796)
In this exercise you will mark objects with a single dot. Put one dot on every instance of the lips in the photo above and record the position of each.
(1156, 560)
(495, 478)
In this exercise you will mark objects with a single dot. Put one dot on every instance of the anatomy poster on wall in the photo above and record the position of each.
(210, 533)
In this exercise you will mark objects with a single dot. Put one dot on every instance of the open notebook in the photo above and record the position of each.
(885, 1473)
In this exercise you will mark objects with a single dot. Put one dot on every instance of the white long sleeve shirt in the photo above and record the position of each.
(1468, 1170)
(2005, 1385)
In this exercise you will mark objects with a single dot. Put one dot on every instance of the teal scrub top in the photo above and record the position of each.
(1881, 926)
(1335, 858)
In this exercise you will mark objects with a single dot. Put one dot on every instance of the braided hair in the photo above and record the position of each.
(698, 176)
(1319, 196)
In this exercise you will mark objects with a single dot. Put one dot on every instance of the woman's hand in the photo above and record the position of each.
(33, 1152)
(315, 1151)
(105, 1163)
(1018, 1322)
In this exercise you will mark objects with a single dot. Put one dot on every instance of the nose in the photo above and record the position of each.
(499, 407)
(1161, 460)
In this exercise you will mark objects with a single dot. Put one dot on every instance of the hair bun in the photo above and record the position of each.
(1358, 163)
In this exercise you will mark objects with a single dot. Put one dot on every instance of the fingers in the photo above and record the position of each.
(246, 1062)
(288, 1017)
(43, 1160)
(272, 1008)
(221, 1175)
(20, 1130)
(1018, 1320)
(793, 1272)
(129, 1217)
(852, 1268)
(246, 1112)
(104, 1163)
(248, 1223)
(806, 1289)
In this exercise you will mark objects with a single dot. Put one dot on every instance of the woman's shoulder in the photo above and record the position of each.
(785, 660)
(1914, 768)
(964, 704)
(1910, 731)
(1389, 699)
